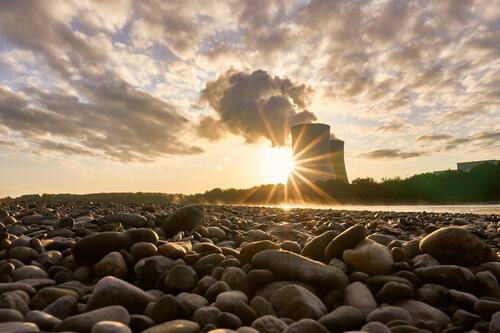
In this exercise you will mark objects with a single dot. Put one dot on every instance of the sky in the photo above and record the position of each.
(185, 96)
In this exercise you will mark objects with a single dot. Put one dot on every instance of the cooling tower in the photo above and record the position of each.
(337, 155)
(311, 152)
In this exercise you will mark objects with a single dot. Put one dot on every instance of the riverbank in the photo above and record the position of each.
(161, 268)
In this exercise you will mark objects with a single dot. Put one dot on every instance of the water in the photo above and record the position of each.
(474, 209)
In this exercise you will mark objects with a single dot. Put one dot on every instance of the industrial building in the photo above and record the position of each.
(467, 166)
(318, 155)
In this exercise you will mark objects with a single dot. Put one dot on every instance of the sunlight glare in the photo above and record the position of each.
(275, 164)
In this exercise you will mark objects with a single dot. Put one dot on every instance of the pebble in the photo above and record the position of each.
(359, 296)
(457, 246)
(344, 318)
(369, 257)
(184, 219)
(346, 240)
(296, 267)
(113, 291)
(296, 302)
(175, 326)
(85, 321)
(18, 328)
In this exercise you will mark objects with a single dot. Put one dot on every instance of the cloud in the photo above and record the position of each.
(254, 105)
(390, 154)
(94, 109)
(395, 126)
(434, 137)
(116, 120)
(447, 142)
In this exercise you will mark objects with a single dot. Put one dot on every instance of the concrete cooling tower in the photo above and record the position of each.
(317, 157)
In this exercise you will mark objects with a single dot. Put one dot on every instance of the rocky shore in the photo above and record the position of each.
(122, 268)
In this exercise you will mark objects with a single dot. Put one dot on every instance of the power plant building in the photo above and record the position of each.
(318, 154)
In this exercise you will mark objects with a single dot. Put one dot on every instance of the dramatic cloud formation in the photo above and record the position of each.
(116, 79)
(391, 154)
(254, 105)
(447, 142)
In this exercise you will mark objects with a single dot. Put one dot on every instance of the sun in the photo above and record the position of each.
(275, 164)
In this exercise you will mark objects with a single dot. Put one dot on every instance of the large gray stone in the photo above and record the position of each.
(457, 246)
(359, 296)
(422, 311)
(84, 322)
(184, 219)
(297, 303)
(315, 248)
(113, 291)
(292, 266)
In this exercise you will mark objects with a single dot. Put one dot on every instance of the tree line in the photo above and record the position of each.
(481, 184)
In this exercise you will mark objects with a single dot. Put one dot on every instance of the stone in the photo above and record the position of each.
(107, 326)
(43, 320)
(165, 309)
(143, 249)
(216, 232)
(375, 327)
(174, 250)
(423, 311)
(5, 287)
(465, 319)
(92, 248)
(113, 291)
(344, 318)
(175, 326)
(457, 246)
(62, 308)
(248, 251)
(112, 264)
(451, 276)
(433, 294)
(385, 314)
(486, 307)
(245, 313)
(359, 296)
(23, 253)
(207, 263)
(226, 301)
(181, 278)
(262, 306)
(259, 277)
(495, 323)
(228, 320)
(296, 302)
(315, 248)
(15, 300)
(369, 257)
(18, 328)
(348, 239)
(85, 321)
(217, 288)
(296, 267)
(189, 303)
(29, 272)
(46, 296)
(269, 324)
(184, 219)
(128, 220)
(291, 246)
(306, 326)
(206, 315)
(7, 315)
(394, 291)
